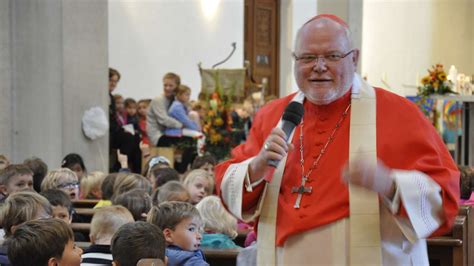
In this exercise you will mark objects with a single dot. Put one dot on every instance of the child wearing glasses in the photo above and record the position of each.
(181, 224)
(63, 179)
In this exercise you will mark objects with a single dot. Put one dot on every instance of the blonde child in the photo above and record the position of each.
(137, 201)
(43, 242)
(179, 111)
(3, 161)
(63, 179)
(220, 227)
(181, 223)
(14, 178)
(125, 182)
(105, 223)
(171, 191)
(91, 185)
(199, 184)
(136, 241)
(21, 207)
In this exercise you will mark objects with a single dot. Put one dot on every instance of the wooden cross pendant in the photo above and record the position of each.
(300, 190)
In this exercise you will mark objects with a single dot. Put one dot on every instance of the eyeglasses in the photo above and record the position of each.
(69, 185)
(328, 58)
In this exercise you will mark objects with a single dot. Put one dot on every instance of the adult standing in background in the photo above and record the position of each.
(120, 139)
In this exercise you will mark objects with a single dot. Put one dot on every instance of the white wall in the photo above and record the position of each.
(401, 39)
(293, 14)
(148, 38)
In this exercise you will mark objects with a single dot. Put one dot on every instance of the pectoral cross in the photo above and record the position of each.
(300, 190)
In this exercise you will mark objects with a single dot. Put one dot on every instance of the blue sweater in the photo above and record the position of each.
(178, 257)
(179, 112)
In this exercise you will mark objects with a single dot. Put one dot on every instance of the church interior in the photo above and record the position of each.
(231, 58)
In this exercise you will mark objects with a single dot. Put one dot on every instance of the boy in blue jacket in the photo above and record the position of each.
(181, 225)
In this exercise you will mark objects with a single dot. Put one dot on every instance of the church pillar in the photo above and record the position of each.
(60, 69)
(6, 133)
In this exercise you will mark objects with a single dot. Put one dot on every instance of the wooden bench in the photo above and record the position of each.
(454, 248)
(221, 257)
(84, 203)
(81, 227)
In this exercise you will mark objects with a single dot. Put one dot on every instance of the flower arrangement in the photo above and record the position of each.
(435, 82)
(217, 125)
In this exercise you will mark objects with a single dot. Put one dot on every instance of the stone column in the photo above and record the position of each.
(60, 69)
(6, 132)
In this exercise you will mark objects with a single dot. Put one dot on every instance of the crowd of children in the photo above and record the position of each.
(161, 213)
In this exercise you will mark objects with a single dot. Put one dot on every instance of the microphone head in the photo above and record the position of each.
(293, 113)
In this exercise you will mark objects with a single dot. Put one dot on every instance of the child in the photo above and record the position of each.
(125, 182)
(19, 208)
(171, 191)
(136, 241)
(14, 178)
(43, 242)
(199, 184)
(105, 223)
(161, 176)
(74, 162)
(179, 111)
(137, 201)
(142, 109)
(220, 227)
(63, 209)
(91, 185)
(466, 185)
(181, 224)
(3, 161)
(39, 169)
(120, 110)
(63, 179)
(60, 203)
(131, 113)
(107, 190)
(155, 162)
(206, 162)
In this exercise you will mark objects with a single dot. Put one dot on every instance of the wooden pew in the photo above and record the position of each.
(84, 203)
(221, 257)
(88, 212)
(81, 227)
(455, 248)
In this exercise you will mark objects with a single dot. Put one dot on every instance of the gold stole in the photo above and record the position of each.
(365, 240)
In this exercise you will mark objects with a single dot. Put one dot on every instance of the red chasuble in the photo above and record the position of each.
(405, 140)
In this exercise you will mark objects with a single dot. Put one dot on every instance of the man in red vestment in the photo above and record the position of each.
(415, 177)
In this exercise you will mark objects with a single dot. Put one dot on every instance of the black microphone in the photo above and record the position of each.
(291, 118)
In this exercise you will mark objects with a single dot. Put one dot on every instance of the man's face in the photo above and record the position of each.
(324, 81)
(169, 86)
